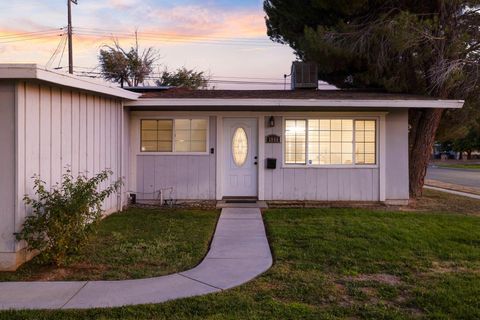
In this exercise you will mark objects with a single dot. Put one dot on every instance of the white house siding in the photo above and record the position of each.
(397, 155)
(316, 184)
(60, 128)
(192, 177)
(7, 171)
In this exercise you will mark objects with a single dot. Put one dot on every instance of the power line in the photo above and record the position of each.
(169, 39)
(31, 38)
(32, 33)
(169, 35)
(61, 57)
(54, 54)
(99, 75)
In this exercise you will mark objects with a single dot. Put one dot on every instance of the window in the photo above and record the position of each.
(365, 137)
(174, 135)
(295, 138)
(157, 135)
(318, 142)
(190, 135)
(330, 142)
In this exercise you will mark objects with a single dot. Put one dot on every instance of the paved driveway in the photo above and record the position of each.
(464, 177)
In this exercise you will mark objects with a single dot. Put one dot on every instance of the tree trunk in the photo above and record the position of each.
(424, 124)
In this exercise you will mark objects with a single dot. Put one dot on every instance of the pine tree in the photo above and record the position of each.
(420, 47)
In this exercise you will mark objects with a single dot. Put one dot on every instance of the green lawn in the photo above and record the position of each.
(137, 243)
(461, 166)
(343, 263)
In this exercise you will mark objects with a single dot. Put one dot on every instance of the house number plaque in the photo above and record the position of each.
(272, 138)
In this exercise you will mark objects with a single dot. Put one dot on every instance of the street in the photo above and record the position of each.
(464, 177)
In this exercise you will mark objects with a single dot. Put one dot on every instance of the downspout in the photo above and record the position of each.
(120, 196)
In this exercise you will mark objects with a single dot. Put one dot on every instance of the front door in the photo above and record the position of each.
(240, 157)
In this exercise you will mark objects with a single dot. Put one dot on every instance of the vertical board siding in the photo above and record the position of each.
(7, 172)
(192, 177)
(316, 184)
(59, 129)
(396, 159)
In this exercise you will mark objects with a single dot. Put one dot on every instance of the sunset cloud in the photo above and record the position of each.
(211, 35)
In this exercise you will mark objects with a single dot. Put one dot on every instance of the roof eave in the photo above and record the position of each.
(34, 72)
(351, 103)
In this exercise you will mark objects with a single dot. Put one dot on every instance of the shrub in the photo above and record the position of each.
(64, 217)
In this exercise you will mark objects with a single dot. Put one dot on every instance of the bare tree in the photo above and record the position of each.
(130, 66)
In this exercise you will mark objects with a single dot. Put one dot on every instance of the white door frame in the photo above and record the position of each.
(221, 149)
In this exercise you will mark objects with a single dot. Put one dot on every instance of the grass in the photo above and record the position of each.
(137, 243)
(343, 263)
(461, 166)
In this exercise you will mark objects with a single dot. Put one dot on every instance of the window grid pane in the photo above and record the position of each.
(365, 142)
(156, 135)
(295, 141)
(190, 135)
(330, 141)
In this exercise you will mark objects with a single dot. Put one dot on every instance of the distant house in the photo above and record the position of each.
(200, 145)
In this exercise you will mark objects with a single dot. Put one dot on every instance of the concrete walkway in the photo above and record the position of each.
(239, 252)
(458, 193)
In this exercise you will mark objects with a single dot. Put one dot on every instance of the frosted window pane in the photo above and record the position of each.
(182, 124)
(149, 124)
(336, 125)
(324, 124)
(239, 147)
(164, 146)
(347, 125)
(148, 146)
(149, 135)
(336, 136)
(369, 159)
(199, 124)
(370, 136)
(347, 158)
(365, 141)
(295, 141)
(369, 147)
(198, 146)
(156, 135)
(370, 125)
(182, 135)
(336, 159)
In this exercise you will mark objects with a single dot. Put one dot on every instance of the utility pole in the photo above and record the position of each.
(70, 33)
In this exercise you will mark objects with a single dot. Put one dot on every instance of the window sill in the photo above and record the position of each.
(295, 166)
(173, 154)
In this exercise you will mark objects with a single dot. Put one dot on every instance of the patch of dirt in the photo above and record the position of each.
(380, 277)
(450, 267)
(52, 273)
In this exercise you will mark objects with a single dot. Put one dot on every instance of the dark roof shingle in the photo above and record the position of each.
(279, 94)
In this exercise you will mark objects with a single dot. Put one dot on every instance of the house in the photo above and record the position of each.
(199, 145)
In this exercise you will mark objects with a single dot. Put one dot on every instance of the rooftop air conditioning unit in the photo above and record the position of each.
(304, 75)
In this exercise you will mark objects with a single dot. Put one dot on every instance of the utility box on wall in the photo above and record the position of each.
(271, 163)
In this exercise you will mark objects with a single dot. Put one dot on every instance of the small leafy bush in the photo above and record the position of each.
(64, 217)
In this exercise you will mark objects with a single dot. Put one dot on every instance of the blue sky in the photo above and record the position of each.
(224, 38)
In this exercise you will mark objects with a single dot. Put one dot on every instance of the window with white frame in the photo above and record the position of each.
(174, 135)
(317, 142)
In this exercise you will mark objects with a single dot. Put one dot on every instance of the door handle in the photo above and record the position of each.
(256, 157)
(255, 163)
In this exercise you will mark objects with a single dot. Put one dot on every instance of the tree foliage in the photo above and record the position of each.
(183, 78)
(469, 143)
(64, 217)
(418, 47)
(126, 65)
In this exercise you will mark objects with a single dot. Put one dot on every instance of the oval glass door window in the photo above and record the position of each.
(239, 147)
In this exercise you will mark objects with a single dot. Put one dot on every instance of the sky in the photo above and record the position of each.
(226, 39)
